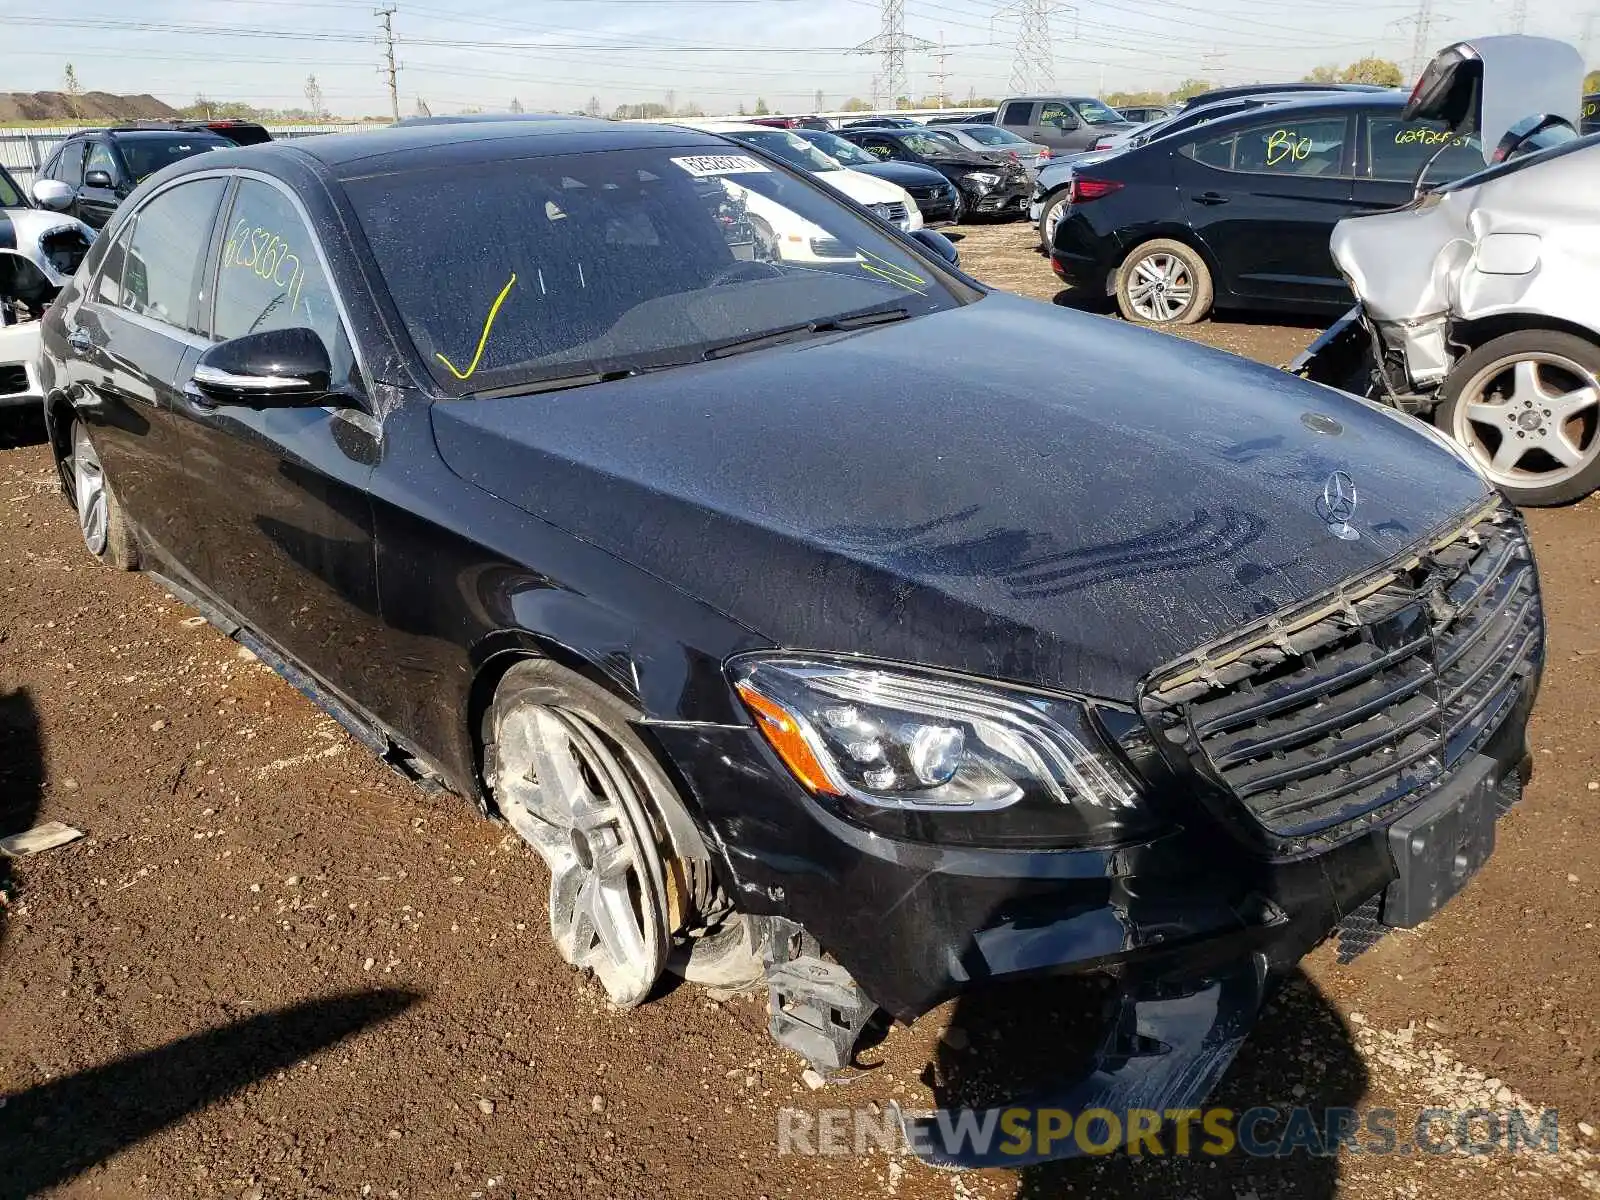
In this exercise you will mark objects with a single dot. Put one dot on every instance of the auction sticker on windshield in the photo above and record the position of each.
(720, 164)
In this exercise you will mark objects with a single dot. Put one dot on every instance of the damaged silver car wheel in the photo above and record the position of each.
(568, 783)
(1527, 405)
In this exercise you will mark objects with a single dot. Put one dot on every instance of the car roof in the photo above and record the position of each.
(402, 148)
(732, 127)
(1069, 97)
(479, 118)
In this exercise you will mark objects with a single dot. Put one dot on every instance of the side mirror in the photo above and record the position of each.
(52, 194)
(279, 368)
(97, 178)
(939, 244)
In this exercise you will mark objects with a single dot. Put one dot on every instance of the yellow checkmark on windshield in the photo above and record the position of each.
(488, 324)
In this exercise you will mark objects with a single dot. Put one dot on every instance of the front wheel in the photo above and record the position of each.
(1054, 209)
(1163, 282)
(1527, 407)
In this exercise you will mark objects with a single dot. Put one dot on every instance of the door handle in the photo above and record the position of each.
(78, 338)
(1209, 198)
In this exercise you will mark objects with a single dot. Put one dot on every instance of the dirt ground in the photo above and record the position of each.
(273, 969)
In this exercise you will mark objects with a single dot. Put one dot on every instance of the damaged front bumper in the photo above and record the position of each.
(19, 365)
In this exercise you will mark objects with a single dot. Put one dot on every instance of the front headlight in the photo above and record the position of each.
(921, 755)
(982, 178)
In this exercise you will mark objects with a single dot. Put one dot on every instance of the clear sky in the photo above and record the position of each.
(556, 54)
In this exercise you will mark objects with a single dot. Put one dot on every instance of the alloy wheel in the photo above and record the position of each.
(1160, 287)
(1052, 218)
(89, 490)
(570, 792)
(1530, 419)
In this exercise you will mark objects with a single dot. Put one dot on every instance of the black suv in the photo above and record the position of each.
(103, 165)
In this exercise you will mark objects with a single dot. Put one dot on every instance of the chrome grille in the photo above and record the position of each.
(1328, 716)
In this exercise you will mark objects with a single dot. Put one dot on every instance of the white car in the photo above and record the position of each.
(889, 200)
(39, 251)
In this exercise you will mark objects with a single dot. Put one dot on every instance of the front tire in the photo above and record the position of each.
(1049, 217)
(105, 530)
(1527, 407)
(1163, 282)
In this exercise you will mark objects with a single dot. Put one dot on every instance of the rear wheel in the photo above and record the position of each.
(1163, 282)
(1527, 407)
(105, 530)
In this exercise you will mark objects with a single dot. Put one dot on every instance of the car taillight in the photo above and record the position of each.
(1092, 189)
(1103, 144)
(1044, 153)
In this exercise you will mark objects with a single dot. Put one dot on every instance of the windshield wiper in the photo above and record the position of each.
(757, 341)
(554, 383)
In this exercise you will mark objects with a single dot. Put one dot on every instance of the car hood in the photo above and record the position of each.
(939, 491)
(905, 174)
(864, 188)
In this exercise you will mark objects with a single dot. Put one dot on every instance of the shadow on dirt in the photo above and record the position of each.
(21, 427)
(58, 1129)
(1025, 1038)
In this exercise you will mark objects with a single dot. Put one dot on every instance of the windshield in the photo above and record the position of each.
(515, 272)
(10, 193)
(929, 146)
(147, 153)
(1095, 113)
(988, 135)
(840, 150)
(789, 147)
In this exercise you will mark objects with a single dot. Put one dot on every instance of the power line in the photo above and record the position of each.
(386, 15)
(1033, 69)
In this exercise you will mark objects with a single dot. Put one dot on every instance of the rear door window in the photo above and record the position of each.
(1397, 150)
(1018, 112)
(167, 251)
(1314, 147)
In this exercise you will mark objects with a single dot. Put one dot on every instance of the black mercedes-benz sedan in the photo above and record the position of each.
(809, 623)
(986, 186)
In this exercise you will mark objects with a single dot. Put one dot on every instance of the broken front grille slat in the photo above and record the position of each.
(1321, 718)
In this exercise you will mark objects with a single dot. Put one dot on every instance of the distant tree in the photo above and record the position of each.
(206, 109)
(761, 108)
(516, 105)
(742, 112)
(690, 109)
(640, 112)
(1372, 70)
(854, 104)
(314, 97)
(593, 107)
(902, 102)
(73, 89)
(422, 108)
(1323, 74)
(1188, 88)
(1126, 99)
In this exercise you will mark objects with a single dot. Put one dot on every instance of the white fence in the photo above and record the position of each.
(24, 149)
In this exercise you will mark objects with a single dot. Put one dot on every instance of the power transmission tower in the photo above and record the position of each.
(816, 101)
(942, 75)
(1421, 20)
(1519, 15)
(1033, 69)
(386, 15)
(672, 102)
(891, 45)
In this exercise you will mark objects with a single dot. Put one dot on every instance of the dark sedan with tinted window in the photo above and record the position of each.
(938, 199)
(987, 185)
(1237, 212)
(808, 622)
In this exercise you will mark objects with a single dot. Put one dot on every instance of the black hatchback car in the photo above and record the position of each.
(984, 185)
(937, 198)
(102, 166)
(801, 649)
(1238, 212)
